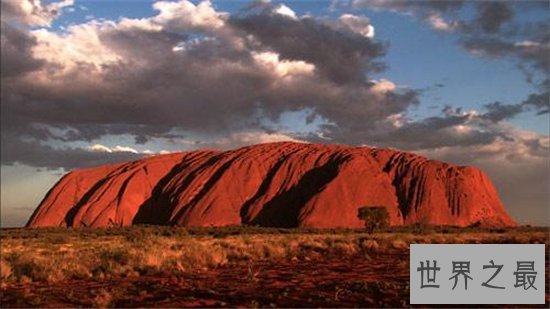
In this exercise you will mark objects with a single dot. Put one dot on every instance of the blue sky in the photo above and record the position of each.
(82, 55)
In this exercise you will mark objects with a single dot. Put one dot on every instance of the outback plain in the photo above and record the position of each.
(160, 266)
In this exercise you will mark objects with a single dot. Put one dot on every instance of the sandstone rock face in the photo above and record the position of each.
(278, 184)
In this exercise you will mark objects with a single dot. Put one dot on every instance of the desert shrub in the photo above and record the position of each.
(144, 237)
(375, 217)
(399, 244)
(111, 261)
(198, 254)
(137, 236)
(131, 251)
(344, 248)
(368, 244)
(5, 270)
(28, 266)
(423, 226)
(309, 246)
(103, 299)
(116, 255)
(177, 232)
(58, 239)
(273, 251)
(474, 225)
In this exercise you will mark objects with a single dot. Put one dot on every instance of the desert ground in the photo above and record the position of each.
(154, 266)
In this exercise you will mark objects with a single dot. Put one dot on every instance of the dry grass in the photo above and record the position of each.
(56, 255)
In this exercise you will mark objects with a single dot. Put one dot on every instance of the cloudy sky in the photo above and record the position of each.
(92, 82)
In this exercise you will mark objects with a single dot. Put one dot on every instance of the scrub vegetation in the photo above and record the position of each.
(50, 259)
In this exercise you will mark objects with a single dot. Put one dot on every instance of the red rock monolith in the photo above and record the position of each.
(278, 184)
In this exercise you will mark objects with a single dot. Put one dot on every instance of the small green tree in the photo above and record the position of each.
(375, 217)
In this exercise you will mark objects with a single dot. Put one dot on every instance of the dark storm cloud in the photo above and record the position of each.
(533, 60)
(415, 6)
(534, 53)
(532, 56)
(89, 132)
(489, 16)
(436, 132)
(15, 49)
(158, 90)
(492, 15)
(31, 153)
(540, 102)
(199, 79)
(211, 80)
(356, 123)
(497, 111)
(493, 32)
(340, 56)
(9, 10)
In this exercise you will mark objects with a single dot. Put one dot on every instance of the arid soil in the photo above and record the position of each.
(349, 282)
(380, 281)
(322, 270)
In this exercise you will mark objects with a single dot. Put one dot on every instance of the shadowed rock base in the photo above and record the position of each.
(278, 184)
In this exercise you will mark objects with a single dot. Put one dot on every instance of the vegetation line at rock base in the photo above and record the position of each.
(52, 255)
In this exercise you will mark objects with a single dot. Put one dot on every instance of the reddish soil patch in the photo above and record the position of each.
(379, 281)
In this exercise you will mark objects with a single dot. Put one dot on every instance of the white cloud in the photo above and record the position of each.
(285, 11)
(438, 23)
(82, 44)
(527, 44)
(358, 24)
(78, 45)
(462, 129)
(146, 24)
(189, 44)
(397, 120)
(240, 139)
(282, 68)
(35, 13)
(117, 148)
(61, 4)
(100, 148)
(184, 15)
(382, 86)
